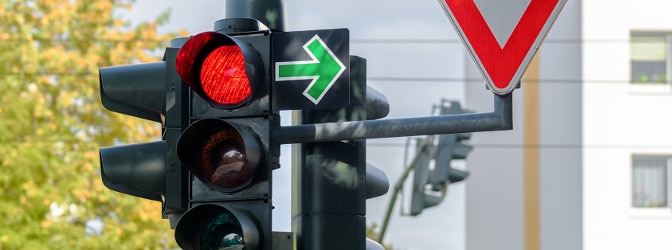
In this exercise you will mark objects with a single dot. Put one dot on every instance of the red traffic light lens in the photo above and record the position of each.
(222, 155)
(216, 67)
(223, 77)
(223, 160)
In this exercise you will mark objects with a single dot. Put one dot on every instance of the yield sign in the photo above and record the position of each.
(502, 36)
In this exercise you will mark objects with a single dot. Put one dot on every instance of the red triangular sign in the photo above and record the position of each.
(502, 66)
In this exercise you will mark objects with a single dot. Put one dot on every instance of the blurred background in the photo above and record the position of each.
(587, 165)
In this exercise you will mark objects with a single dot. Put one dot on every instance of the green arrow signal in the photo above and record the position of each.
(323, 69)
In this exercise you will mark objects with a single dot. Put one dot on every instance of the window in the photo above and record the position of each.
(651, 60)
(650, 181)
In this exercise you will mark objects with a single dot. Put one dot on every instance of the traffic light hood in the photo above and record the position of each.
(136, 169)
(137, 90)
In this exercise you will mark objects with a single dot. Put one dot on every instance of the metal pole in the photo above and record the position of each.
(397, 188)
(269, 12)
(499, 119)
(329, 210)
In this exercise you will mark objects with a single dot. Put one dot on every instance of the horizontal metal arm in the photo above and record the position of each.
(499, 119)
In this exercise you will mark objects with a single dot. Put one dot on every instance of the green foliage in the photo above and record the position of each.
(52, 124)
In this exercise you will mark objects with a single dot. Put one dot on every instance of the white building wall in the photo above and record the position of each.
(495, 188)
(589, 131)
(494, 193)
(621, 119)
(561, 134)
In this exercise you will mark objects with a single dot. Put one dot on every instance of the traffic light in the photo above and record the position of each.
(334, 179)
(450, 147)
(147, 170)
(422, 197)
(228, 146)
(431, 185)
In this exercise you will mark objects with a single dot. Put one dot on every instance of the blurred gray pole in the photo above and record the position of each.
(329, 179)
(269, 12)
(397, 188)
(501, 118)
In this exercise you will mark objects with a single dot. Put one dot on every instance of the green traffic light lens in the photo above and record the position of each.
(212, 226)
(223, 232)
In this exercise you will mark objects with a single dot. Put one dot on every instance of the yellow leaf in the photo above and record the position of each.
(46, 223)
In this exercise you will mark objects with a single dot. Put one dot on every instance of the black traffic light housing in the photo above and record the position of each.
(331, 214)
(227, 145)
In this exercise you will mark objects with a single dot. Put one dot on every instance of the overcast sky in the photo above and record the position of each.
(441, 227)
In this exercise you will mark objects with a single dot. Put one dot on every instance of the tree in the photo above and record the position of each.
(52, 124)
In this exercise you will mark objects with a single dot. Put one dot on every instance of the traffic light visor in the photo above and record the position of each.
(138, 90)
(137, 169)
(222, 155)
(219, 68)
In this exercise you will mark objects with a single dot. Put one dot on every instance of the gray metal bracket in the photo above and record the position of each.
(501, 118)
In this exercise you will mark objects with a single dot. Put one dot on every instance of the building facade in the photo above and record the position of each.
(587, 165)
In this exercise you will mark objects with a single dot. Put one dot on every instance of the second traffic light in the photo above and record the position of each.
(450, 147)
(227, 147)
(431, 185)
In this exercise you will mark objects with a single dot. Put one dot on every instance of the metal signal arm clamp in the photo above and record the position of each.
(499, 119)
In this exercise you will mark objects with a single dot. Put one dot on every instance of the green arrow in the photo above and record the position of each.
(323, 69)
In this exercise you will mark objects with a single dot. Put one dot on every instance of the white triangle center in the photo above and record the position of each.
(502, 16)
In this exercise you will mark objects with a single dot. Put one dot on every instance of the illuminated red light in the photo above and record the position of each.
(213, 65)
(223, 77)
